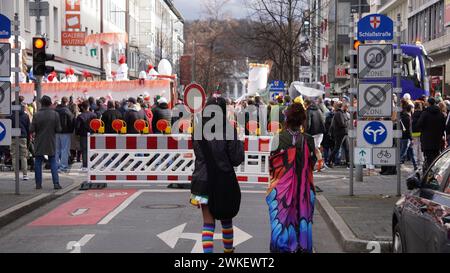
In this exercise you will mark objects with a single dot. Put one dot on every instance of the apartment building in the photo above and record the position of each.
(425, 22)
(147, 23)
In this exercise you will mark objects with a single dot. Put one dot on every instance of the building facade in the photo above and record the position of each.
(424, 22)
(140, 19)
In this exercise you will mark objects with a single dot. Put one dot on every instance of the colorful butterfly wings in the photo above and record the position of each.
(291, 200)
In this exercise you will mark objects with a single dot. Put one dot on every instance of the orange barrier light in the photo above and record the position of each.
(252, 127)
(97, 125)
(274, 127)
(141, 126)
(185, 126)
(163, 126)
(119, 126)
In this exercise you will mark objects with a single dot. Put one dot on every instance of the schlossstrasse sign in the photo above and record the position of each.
(375, 27)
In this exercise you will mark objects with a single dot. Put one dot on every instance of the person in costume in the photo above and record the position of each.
(291, 195)
(215, 156)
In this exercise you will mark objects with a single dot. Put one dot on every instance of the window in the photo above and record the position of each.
(435, 176)
(55, 24)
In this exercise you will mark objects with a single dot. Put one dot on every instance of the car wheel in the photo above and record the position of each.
(397, 242)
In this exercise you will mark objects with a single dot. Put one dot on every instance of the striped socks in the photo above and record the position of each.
(208, 238)
(228, 236)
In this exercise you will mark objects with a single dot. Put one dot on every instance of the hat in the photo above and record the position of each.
(132, 100)
(407, 96)
(162, 100)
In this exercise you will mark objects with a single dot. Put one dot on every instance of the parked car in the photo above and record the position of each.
(421, 219)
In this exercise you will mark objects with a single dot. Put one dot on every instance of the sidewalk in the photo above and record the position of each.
(364, 217)
(14, 206)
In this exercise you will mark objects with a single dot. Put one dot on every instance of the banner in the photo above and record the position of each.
(73, 38)
(117, 90)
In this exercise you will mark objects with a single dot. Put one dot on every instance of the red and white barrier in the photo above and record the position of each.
(164, 159)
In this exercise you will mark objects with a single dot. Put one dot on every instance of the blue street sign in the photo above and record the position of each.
(375, 133)
(274, 95)
(3, 131)
(375, 27)
(5, 27)
(277, 86)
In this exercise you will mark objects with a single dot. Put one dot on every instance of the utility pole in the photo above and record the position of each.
(102, 66)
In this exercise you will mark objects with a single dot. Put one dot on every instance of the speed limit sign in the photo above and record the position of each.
(375, 61)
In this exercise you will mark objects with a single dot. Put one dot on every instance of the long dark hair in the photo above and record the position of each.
(222, 104)
(295, 116)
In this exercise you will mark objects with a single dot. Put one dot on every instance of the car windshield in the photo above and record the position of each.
(434, 179)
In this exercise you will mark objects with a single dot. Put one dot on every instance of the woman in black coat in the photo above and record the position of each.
(224, 152)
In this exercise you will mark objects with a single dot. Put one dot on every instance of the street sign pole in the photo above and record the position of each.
(352, 87)
(399, 86)
(17, 88)
(38, 83)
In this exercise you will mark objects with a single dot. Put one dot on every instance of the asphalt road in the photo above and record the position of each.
(141, 219)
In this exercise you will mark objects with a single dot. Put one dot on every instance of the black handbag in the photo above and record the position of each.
(224, 193)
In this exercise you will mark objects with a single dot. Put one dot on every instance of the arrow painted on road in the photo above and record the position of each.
(79, 212)
(172, 236)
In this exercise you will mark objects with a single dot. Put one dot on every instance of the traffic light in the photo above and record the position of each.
(356, 44)
(40, 57)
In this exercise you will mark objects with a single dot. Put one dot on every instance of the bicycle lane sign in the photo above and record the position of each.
(384, 156)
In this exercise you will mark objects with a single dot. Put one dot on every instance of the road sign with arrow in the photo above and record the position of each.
(363, 156)
(375, 134)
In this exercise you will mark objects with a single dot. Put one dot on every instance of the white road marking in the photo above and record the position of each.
(133, 197)
(79, 212)
(120, 208)
(172, 236)
(76, 246)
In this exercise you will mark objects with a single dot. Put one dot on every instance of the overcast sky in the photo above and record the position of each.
(192, 9)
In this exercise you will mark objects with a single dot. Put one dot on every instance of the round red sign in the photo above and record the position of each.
(194, 98)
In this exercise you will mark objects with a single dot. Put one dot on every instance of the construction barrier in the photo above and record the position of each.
(164, 159)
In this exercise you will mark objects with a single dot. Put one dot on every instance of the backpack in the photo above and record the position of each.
(224, 193)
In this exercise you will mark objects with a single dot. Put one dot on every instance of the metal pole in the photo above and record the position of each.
(317, 39)
(352, 87)
(16, 112)
(399, 83)
(194, 65)
(38, 78)
(359, 174)
(38, 18)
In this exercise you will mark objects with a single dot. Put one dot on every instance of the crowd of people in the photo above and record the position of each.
(57, 134)
(425, 126)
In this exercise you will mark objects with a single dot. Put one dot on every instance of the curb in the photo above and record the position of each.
(13, 213)
(345, 236)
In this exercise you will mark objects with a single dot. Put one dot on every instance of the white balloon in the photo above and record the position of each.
(165, 68)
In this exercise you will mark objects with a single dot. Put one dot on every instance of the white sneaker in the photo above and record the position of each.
(25, 178)
(84, 170)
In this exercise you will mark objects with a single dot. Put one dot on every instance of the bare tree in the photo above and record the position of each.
(278, 27)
